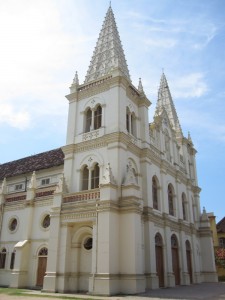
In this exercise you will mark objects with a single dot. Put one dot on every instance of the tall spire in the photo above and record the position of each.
(165, 101)
(108, 54)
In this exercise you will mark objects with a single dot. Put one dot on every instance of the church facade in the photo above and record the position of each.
(115, 210)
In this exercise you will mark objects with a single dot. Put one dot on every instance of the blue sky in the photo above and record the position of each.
(44, 42)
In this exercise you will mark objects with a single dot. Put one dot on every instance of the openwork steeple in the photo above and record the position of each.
(108, 54)
(165, 101)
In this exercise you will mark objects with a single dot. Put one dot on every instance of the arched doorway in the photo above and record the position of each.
(159, 259)
(82, 244)
(189, 264)
(42, 264)
(175, 259)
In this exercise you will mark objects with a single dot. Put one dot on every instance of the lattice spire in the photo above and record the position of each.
(165, 101)
(108, 54)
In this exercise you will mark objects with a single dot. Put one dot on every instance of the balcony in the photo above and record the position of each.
(82, 196)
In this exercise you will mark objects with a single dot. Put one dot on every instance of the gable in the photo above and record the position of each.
(220, 226)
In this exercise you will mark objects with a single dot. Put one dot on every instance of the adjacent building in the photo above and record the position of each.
(218, 231)
(115, 210)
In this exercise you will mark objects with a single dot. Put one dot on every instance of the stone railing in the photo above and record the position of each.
(82, 196)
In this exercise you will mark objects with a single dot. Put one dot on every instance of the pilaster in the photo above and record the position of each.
(50, 280)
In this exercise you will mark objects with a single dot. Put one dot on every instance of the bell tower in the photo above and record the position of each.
(107, 130)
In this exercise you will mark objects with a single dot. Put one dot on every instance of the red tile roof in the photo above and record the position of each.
(220, 226)
(32, 163)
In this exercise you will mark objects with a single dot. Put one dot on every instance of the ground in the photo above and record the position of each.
(204, 291)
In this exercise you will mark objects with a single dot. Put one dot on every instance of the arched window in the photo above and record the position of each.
(98, 117)
(155, 193)
(88, 120)
(170, 192)
(90, 177)
(12, 261)
(85, 178)
(167, 146)
(2, 258)
(193, 209)
(128, 120)
(133, 124)
(95, 177)
(184, 206)
(43, 252)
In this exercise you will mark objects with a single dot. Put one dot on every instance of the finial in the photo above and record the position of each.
(110, 4)
(76, 80)
(163, 70)
(140, 86)
(189, 137)
(33, 183)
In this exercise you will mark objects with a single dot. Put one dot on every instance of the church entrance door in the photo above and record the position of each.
(175, 259)
(42, 264)
(189, 264)
(159, 259)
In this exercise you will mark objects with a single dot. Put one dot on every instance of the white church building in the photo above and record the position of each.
(115, 210)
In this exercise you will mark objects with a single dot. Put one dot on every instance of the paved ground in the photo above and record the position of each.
(206, 291)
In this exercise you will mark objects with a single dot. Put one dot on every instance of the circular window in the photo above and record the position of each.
(13, 224)
(88, 244)
(46, 221)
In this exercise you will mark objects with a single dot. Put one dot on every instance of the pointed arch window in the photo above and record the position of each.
(88, 120)
(184, 206)
(167, 146)
(130, 122)
(90, 177)
(98, 117)
(170, 193)
(85, 178)
(95, 177)
(93, 118)
(12, 261)
(2, 258)
(155, 199)
(133, 124)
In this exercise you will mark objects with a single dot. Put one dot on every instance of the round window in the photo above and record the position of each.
(46, 221)
(13, 224)
(88, 244)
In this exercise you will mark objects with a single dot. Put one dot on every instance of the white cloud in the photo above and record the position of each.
(191, 85)
(203, 124)
(36, 53)
(160, 42)
(33, 46)
(196, 33)
(17, 119)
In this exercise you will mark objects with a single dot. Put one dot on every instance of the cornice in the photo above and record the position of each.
(165, 220)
